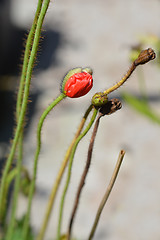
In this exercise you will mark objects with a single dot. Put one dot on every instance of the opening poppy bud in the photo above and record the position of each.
(77, 82)
(99, 99)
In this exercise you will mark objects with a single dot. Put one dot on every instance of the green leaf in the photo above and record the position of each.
(141, 106)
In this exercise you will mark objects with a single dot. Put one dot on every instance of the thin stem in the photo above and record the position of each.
(122, 81)
(59, 178)
(18, 109)
(25, 99)
(26, 58)
(32, 187)
(10, 177)
(16, 190)
(10, 157)
(107, 193)
(69, 171)
(83, 177)
(144, 57)
(109, 108)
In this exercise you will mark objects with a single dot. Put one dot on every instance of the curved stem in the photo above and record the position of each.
(144, 57)
(59, 178)
(83, 177)
(69, 171)
(32, 187)
(122, 81)
(107, 193)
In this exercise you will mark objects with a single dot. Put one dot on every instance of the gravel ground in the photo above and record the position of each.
(99, 34)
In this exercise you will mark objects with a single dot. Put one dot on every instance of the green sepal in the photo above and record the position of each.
(68, 75)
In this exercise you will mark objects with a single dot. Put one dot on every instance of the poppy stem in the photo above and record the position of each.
(59, 177)
(70, 169)
(144, 57)
(83, 177)
(110, 107)
(32, 187)
(107, 193)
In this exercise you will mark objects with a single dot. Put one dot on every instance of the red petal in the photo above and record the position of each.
(78, 85)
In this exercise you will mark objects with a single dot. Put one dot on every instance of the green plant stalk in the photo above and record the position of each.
(69, 171)
(18, 110)
(57, 182)
(25, 65)
(10, 177)
(25, 99)
(107, 193)
(108, 108)
(16, 190)
(26, 59)
(11, 155)
(84, 175)
(32, 187)
(16, 186)
(12, 174)
(24, 68)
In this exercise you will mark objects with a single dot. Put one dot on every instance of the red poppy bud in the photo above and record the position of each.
(78, 84)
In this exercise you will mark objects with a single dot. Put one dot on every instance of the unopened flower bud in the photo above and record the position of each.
(77, 82)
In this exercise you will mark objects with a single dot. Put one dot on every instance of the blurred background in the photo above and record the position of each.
(99, 34)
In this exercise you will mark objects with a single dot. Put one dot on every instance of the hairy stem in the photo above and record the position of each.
(32, 187)
(18, 110)
(25, 100)
(59, 178)
(26, 59)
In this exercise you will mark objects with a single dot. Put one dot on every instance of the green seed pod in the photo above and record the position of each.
(68, 75)
(99, 99)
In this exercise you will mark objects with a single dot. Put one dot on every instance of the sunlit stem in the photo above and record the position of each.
(59, 178)
(107, 193)
(69, 171)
